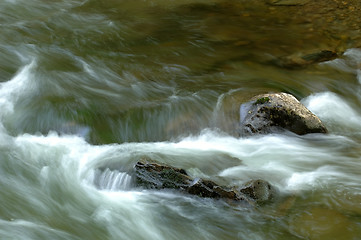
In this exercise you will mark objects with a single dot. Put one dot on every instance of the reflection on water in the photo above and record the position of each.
(88, 85)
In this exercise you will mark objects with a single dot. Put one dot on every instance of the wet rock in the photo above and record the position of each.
(321, 56)
(152, 175)
(270, 113)
(259, 190)
(209, 189)
(295, 61)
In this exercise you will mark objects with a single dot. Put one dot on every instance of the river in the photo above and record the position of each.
(88, 84)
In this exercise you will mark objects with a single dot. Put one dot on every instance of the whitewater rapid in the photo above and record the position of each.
(51, 187)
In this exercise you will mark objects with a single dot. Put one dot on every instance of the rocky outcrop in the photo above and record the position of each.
(152, 175)
(276, 112)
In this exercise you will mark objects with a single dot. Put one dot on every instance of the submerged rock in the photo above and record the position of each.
(296, 61)
(269, 113)
(152, 175)
(288, 2)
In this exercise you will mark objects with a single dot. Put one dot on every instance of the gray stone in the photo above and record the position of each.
(276, 112)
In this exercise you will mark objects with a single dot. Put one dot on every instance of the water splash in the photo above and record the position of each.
(113, 180)
(338, 115)
(12, 90)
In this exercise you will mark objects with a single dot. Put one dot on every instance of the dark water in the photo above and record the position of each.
(88, 84)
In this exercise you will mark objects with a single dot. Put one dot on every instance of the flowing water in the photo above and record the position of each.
(89, 87)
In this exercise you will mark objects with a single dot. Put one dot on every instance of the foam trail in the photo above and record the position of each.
(313, 179)
(353, 57)
(11, 91)
(334, 111)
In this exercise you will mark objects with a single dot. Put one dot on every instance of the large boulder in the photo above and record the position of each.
(153, 175)
(275, 112)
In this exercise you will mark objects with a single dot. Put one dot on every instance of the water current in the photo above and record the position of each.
(88, 85)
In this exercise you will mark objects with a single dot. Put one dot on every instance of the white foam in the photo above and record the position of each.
(11, 90)
(353, 55)
(334, 111)
(29, 230)
(350, 61)
(313, 179)
(114, 180)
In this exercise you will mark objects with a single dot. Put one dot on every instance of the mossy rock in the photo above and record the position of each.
(262, 100)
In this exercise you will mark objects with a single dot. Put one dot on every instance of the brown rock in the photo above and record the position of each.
(209, 189)
(296, 62)
(259, 190)
(152, 175)
(276, 112)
